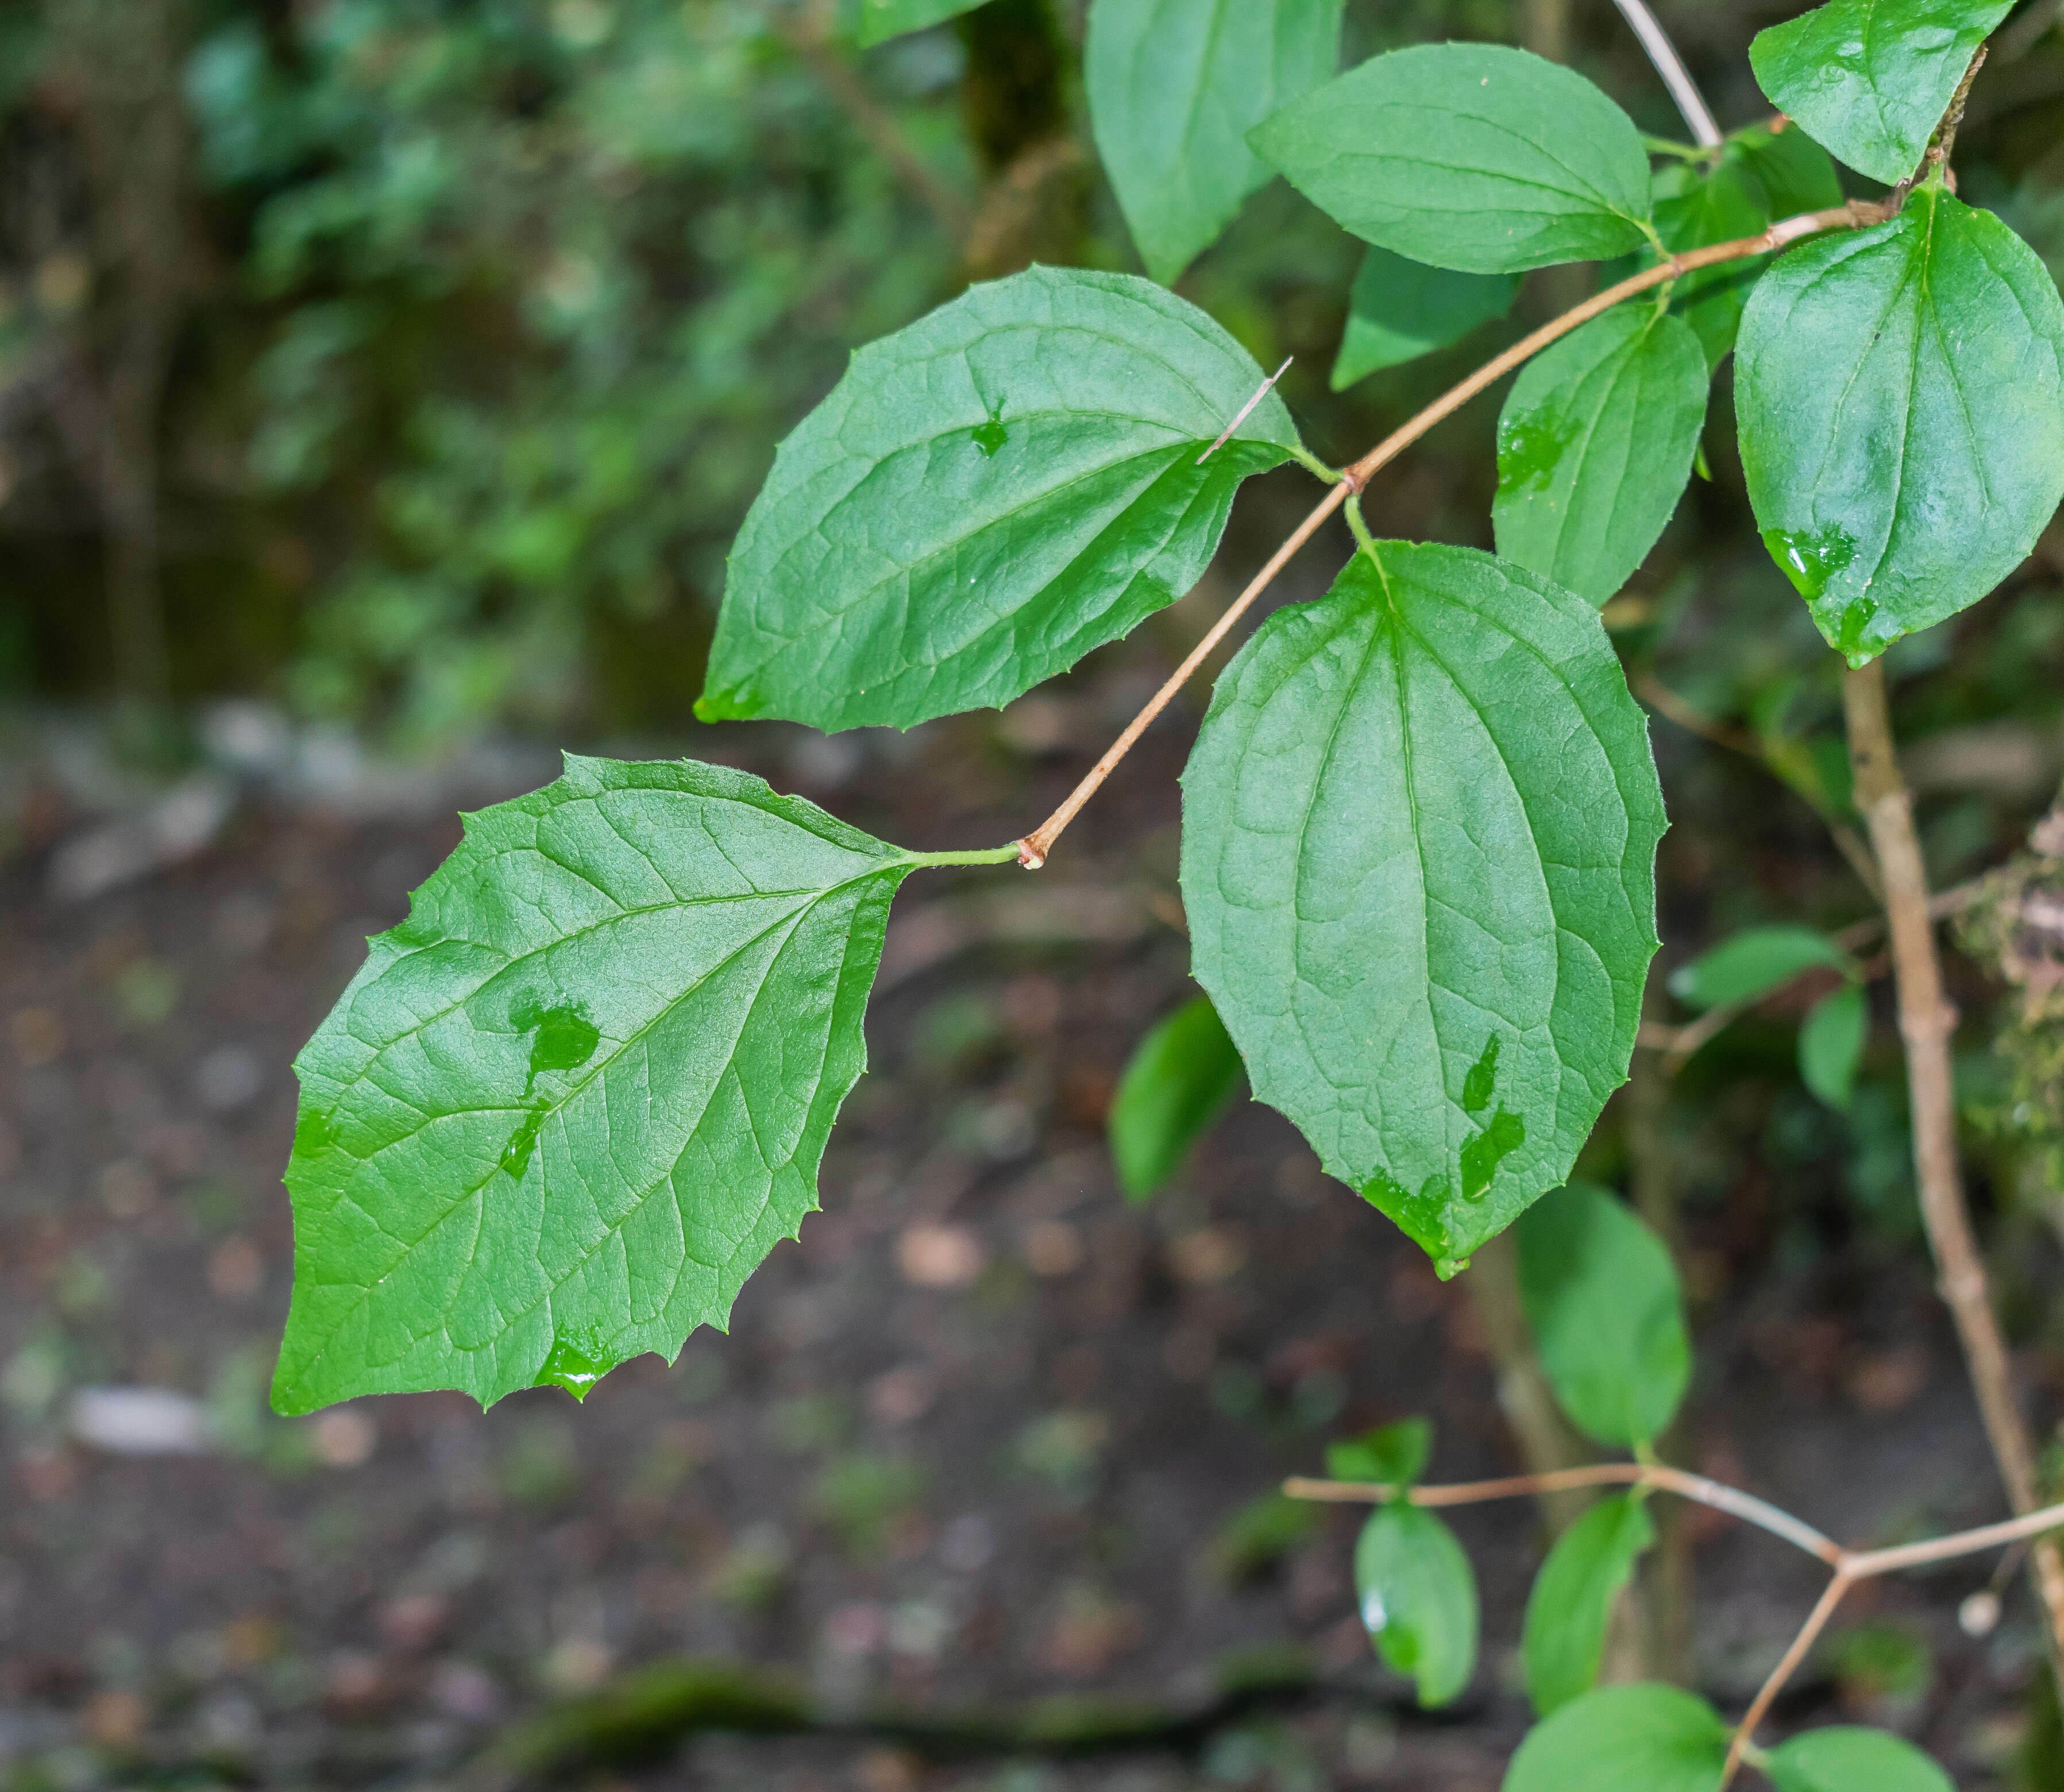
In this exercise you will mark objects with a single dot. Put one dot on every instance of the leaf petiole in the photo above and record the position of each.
(984, 855)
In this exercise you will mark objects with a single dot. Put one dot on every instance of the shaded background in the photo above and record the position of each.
(381, 382)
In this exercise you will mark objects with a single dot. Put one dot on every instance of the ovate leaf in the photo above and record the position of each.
(1594, 447)
(1900, 391)
(1640, 1738)
(881, 20)
(566, 1107)
(1748, 966)
(1607, 1316)
(1400, 310)
(1418, 1599)
(1181, 1078)
(983, 498)
(1831, 1045)
(1871, 78)
(1467, 155)
(1418, 846)
(1843, 1759)
(1174, 87)
(1573, 1598)
(1394, 1455)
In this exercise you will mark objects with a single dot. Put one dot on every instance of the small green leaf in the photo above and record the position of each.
(566, 1107)
(1872, 79)
(1418, 1600)
(1467, 155)
(1174, 87)
(1394, 1455)
(1845, 1759)
(1419, 837)
(1748, 966)
(881, 20)
(1573, 1598)
(1400, 310)
(1181, 1077)
(1641, 1738)
(1601, 1299)
(1900, 393)
(1595, 448)
(1831, 1045)
(1761, 177)
(985, 496)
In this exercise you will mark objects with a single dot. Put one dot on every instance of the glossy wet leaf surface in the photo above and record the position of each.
(1901, 394)
(1400, 310)
(1418, 1599)
(1844, 1758)
(1571, 1605)
(1180, 1078)
(1594, 447)
(1469, 156)
(1871, 78)
(1419, 834)
(881, 20)
(1174, 87)
(983, 498)
(1607, 1316)
(568, 1105)
(1645, 1737)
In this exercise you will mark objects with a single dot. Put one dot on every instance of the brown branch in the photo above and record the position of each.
(1036, 845)
(1766, 1696)
(1926, 1021)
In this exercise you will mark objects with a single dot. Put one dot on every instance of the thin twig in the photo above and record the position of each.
(1033, 850)
(1694, 1487)
(1247, 410)
(1675, 76)
(1758, 1708)
(1926, 1021)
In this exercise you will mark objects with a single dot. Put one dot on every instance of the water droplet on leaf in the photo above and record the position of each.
(1482, 1082)
(565, 1038)
(1482, 1155)
(991, 436)
(314, 1132)
(576, 1365)
(516, 1153)
(1529, 450)
(1373, 1616)
(1811, 557)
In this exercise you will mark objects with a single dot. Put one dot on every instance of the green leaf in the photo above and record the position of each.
(1872, 79)
(1595, 448)
(1572, 1601)
(1641, 1738)
(881, 20)
(1394, 1455)
(1174, 87)
(1749, 964)
(1602, 1301)
(1843, 1759)
(1761, 177)
(1418, 848)
(1181, 1077)
(567, 1106)
(1900, 391)
(1400, 310)
(1831, 1045)
(1418, 1600)
(985, 496)
(1467, 155)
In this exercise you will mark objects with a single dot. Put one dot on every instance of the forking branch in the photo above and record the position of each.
(1034, 848)
(1849, 1566)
